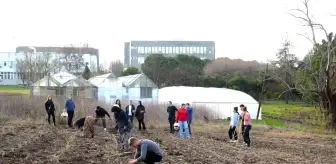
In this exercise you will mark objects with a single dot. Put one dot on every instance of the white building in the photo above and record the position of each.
(133, 87)
(8, 73)
(219, 101)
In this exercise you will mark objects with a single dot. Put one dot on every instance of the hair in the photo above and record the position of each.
(245, 108)
(48, 98)
(132, 140)
(98, 107)
(242, 105)
(235, 109)
(170, 102)
(183, 104)
(140, 103)
(187, 104)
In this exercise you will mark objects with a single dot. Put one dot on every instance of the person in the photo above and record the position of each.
(50, 108)
(140, 115)
(130, 110)
(147, 151)
(124, 125)
(100, 114)
(70, 108)
(233, 124)
(247, 126)
(182, 118)
(115, 116)
(242, 118)
(171, 110)
(88, 125)
(190, 116)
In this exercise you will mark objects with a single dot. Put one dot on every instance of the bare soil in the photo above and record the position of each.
(40, 143)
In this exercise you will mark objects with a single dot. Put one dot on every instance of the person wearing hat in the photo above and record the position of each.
(88, 125)
(100, 114)
(124, 125)
(147, 151)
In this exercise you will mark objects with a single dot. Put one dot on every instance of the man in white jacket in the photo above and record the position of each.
(233, 124)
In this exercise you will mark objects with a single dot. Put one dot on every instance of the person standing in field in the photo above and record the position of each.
(124, 125)
(182, 118)
(247, 127)
(88, 125)
(171, 110)
(140, 115)
(115, 116)
(147, 151)
(241, 116)
(100, 114)
(190, 116)
(233, 124)
(70, 108)
(50, 108)
(130, 110)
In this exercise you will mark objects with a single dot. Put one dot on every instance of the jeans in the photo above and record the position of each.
(247, 129)
(189, 123)
(184, 126)
(70, 117)
(233, 133)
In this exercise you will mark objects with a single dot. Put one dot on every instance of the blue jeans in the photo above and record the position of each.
(184, 125)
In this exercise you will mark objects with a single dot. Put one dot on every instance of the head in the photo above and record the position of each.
(241, 106)
(130, 102)
(98, 107)
(117, 101)
(140, 103)
(49, 97)
(170, 103)
(187, 104)
(115, 108)
(235, 109)
(244, 109)
(183, 106)
(134, 142)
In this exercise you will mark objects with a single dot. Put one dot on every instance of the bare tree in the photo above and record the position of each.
(116, 67)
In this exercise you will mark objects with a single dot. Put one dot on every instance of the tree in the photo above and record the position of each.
(130, 71)
(87, 72)
(323, 76)
(72, 59)
(116, 67)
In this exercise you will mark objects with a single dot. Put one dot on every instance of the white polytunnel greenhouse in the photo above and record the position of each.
(219, 101)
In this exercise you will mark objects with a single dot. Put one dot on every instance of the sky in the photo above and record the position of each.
(242, 29)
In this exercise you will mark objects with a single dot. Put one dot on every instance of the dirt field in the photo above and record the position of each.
(41, 143)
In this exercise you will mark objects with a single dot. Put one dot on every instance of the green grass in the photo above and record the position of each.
(9, 89)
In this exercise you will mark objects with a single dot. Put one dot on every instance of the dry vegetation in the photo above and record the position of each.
(26, 138)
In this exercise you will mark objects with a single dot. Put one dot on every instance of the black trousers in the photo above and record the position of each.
(103, 120)
(52, 114)
(171, 124)
(233, 133)
(247, 129)
(131, 119)
(151, 158)
(189, 123)
(141, 123)
(70, 117)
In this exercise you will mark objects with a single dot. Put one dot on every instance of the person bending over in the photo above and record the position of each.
(100, 114)
(124, 125)
(147, 151)
(88, 125)
(50, 108)
(233, 124)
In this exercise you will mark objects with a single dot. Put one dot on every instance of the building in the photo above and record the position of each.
(66, 55)
(135, 52)
(219, 102)
(132, 87)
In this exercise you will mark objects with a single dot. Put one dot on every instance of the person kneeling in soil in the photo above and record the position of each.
(88, 125)
(233, 124)
(100, 114)
(147, 151)
(124, 125)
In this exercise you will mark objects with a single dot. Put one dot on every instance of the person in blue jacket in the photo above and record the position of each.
(190, 113)
(70, 108)
(233, 125)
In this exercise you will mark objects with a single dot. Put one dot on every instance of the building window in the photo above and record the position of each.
(145, 92)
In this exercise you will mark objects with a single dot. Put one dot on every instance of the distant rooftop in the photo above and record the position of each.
(173, 43)
(85, 50)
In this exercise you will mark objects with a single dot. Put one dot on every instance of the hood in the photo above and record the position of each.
(115, 109)
(140, 103)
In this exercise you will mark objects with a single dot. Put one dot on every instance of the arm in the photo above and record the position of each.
(66, 103)
(143, 152)
(144, 109)
(108, 115)
(177, 115)
(52, 105)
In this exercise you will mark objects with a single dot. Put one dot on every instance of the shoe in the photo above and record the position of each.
(231, 141)
(234, 141)
(104, 129)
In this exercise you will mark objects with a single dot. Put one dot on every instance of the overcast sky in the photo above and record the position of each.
(245, 29)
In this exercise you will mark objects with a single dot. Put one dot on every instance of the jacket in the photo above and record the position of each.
(80, 122)
(132, 110)
(49, 106)
(234, 120)
(171, 110)
(101, 112)
(70, 105)
(182, 115)
(121, 117)
(190, 112)
(140, 112)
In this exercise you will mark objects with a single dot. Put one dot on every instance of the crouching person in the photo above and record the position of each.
(147, 151)
(124, 125)
(88, 125)
(100, 115)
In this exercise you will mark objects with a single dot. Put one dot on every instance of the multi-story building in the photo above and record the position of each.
(67, 56)
(135, 52)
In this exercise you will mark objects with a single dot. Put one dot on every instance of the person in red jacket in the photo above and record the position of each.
(182, 119)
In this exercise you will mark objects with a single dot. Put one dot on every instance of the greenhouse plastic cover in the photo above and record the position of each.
(220, 101)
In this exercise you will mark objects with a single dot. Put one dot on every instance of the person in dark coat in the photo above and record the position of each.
(115, 116)
(50, 108)
(171, 110)
(100, 114)
(140, 115)
(130, 110)
(124, 125)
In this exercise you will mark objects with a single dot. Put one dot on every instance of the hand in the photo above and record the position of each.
(132, 161)
(110, 118)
